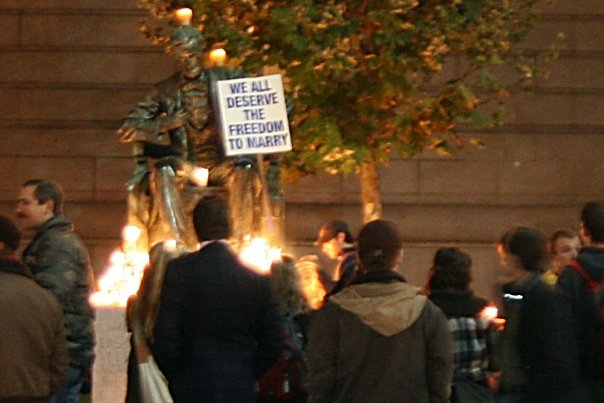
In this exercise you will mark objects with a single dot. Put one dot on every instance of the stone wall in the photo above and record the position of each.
(70, 70)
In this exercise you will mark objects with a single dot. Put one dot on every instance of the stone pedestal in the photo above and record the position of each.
(112, 348)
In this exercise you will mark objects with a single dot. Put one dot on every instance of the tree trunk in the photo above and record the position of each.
(370, 192)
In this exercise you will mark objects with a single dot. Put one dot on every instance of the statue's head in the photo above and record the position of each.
(187, 44)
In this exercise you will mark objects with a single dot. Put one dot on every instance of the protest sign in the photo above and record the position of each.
(253, 115)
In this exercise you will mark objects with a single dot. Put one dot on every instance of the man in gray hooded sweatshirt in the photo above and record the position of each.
(380, 339)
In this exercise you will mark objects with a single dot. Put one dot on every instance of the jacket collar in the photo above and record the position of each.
(458, 303)
(524, 285)
(57, 221)
(379, 277)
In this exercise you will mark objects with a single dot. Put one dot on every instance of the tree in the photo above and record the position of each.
(375, 78)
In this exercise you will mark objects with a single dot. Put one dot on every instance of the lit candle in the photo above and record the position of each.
(170, 245)
(218, 57)
(259, 254)
(489, 312)
(184, 15)
(131, 233)
(200, 176)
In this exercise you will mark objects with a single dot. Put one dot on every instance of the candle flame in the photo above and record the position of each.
(184, 15)
(259, 254)
(131, 233)
(200, 176)
(489, 312)
(218, 56)
(121, 279)
(170, 245)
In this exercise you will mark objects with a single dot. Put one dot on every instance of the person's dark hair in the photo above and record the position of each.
(332, 229)
(45, 190)
(592, 217)
(450, 270)
(379, 243)
(9, 233)
(529, 244)
(211, 219)
(563, 233)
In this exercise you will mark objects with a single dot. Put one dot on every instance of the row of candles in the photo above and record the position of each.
(123, 276)
(127, 265)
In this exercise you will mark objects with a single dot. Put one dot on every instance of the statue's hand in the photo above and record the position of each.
(140, 172)
(131, 134)
(174, 121)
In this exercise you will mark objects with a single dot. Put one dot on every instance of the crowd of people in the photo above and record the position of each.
(355, 331)
(363, 334)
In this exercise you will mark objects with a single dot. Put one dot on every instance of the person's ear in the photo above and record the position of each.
(341, 237)
(399, 258)
(49, 207)
(584, 236)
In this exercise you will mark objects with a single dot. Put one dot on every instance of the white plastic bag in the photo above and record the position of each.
(153, 384)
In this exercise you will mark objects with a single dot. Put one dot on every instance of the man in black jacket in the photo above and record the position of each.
(537, 362)
(591, 260)
(218, 327)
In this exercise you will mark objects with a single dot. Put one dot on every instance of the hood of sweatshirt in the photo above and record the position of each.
(387, 308)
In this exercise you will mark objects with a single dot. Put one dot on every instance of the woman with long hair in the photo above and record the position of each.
(474, 335)
(286, 380)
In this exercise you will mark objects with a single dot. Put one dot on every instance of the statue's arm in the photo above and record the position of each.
(152, 117)
(142, 123)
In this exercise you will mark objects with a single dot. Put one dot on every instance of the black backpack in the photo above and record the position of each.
(596, 289)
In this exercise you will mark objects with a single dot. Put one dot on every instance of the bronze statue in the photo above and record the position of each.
(174, 130)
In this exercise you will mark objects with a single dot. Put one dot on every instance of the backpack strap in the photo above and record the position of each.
(580, 270)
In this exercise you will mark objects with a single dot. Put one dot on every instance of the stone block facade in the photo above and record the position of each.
(70, 70)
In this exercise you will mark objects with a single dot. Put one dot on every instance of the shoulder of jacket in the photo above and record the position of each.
(64, 239)
(431, 310)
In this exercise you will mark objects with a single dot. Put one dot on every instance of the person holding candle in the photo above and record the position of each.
(474, 334)
(337, 243)
(538, 362)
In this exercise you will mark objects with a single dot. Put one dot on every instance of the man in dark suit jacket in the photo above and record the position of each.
(218, 327)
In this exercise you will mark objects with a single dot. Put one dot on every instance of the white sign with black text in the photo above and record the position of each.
(253, 115)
